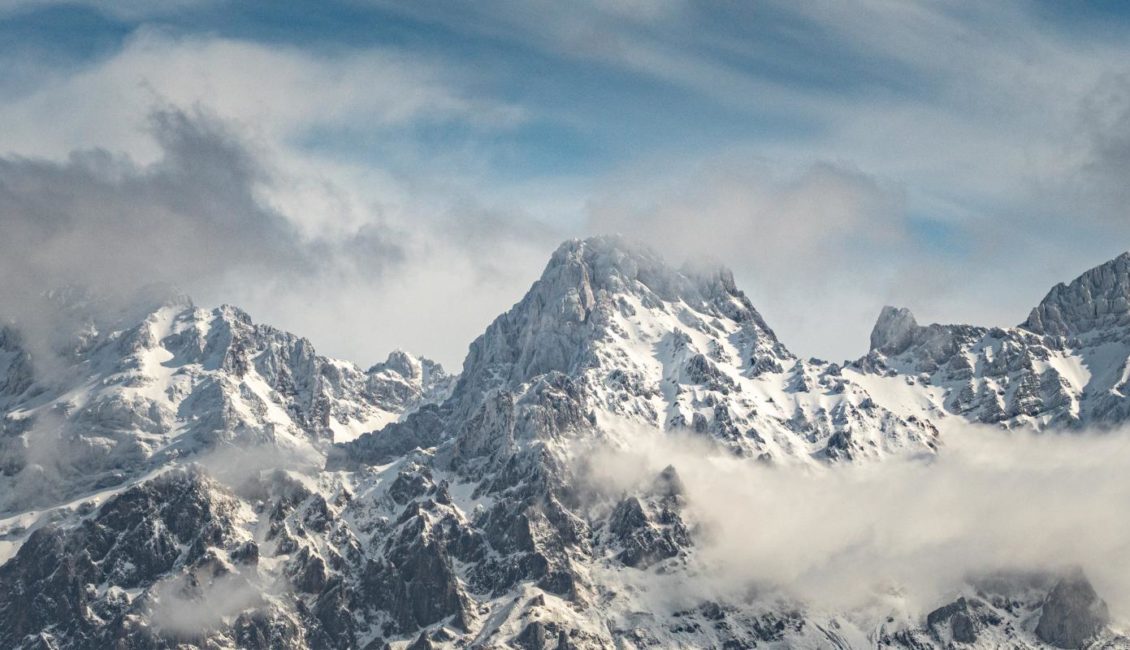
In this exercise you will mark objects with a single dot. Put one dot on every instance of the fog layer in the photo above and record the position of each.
(916, 527)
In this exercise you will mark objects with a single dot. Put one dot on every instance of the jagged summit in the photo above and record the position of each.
(897, 336)
(401, 363)
(618, 265)
(894, 330)
(1100, 298)
(598, 295)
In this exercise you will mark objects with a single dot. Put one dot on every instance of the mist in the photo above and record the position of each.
(914, 529)
(194, 607)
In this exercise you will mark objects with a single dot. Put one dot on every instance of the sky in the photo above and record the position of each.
(379, 175)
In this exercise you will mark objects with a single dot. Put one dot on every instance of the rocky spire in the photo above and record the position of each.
(894, 330)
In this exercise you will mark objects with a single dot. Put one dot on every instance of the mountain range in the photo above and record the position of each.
(179, 477)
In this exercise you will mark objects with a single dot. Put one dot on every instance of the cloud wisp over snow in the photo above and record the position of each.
(395, 174)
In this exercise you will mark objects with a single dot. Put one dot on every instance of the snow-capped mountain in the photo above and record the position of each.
(612, 328)
(183, 380)
(192, 479)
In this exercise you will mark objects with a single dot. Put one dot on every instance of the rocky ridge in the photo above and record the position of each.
(1067, 366)
(462, 517)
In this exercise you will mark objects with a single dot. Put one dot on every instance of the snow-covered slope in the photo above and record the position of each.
(166, 488)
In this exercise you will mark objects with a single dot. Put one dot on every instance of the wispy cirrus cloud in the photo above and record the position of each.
(271, 92)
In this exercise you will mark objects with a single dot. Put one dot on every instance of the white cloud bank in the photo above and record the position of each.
(837, 537)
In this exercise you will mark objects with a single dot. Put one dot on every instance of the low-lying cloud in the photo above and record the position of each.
(840, 536)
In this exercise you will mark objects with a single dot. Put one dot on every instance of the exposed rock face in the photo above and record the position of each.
(15, 365)
(1073, 613)
(181, 521)
(895, 330)
(650, 529)
(454, 512)
(403, 383)
(953, 621)
(1098, 299)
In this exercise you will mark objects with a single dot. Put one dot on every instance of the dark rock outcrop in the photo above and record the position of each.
(1073, 613)
(956, 616)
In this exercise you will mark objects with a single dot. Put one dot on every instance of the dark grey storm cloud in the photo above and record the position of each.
(188, 219)
(194, 219)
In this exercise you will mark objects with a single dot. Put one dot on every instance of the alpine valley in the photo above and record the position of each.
(179, 477)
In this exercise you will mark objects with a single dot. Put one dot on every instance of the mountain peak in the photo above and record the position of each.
(616, 264)
(894, 330)
(586, 283)
(610, 262)
(400, 362)
(1099, 298)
